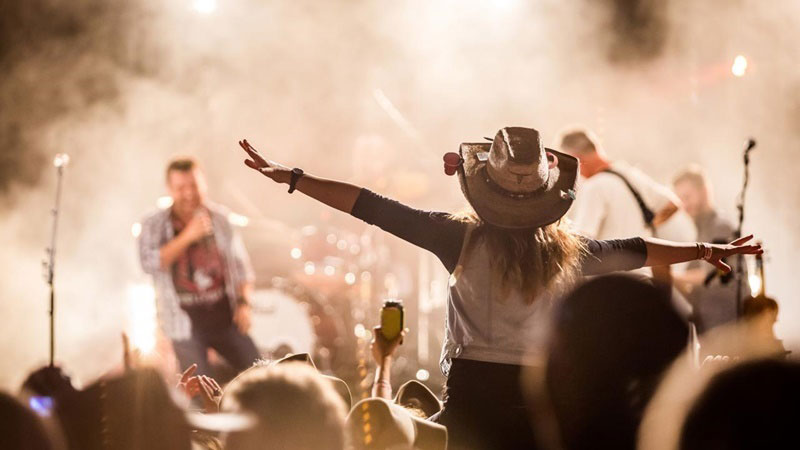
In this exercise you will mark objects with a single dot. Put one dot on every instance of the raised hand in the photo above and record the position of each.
(381, 347)
(210, 392)
(736, 247)
(270, 169)
(183, 383)
(199, 227)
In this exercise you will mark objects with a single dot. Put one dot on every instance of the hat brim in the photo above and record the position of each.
(493, 207)
(413, 392)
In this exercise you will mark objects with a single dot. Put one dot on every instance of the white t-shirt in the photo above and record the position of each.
(606, 209)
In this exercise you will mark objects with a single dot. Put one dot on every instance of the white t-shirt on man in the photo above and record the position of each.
(605, 208)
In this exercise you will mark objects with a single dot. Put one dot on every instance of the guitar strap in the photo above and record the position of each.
(647, 214)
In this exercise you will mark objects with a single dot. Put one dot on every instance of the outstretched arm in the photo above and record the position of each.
(335, 194)
(661, 252)
(436, 232)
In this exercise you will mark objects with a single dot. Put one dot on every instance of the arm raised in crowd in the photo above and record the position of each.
(335, 194)
(436, 232)
(383, 351)
(661, 252)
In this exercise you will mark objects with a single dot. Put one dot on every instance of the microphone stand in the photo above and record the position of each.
(60, 161)
(751, 143)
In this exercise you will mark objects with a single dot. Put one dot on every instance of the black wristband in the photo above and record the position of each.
(296, 174)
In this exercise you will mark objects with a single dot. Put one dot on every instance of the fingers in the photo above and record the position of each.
(188, 373)
(212, 383)
(746, 250)
(721, 265)
(742, 240)
(256, 166)
(247, 147)
(205, 389)
(209, 387)
(250, 148)
(192, 387)
(754, 250)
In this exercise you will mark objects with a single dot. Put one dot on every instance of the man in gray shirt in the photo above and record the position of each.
(713, 296)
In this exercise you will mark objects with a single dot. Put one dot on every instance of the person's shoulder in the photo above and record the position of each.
(602, 182)
(642, 180)
(156, 215)
(722, 219)
(631, 171)
(722, 225)
(221, 215)
(216, 209)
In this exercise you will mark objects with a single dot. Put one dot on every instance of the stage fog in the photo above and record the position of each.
(371, 92)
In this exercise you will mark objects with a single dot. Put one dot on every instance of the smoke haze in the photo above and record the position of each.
(121, 86)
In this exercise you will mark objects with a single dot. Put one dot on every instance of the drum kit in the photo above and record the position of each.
(315, 290)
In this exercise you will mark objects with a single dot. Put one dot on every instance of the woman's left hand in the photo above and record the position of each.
(270, 169)
(737, 247)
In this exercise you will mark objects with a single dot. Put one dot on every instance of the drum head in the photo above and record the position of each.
(281, 323)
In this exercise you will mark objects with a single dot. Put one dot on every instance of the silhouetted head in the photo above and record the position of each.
(753, 405)
(612, 339)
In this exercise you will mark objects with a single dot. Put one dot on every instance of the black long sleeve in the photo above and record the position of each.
(442, 235)
(613, 255)
(436, 232)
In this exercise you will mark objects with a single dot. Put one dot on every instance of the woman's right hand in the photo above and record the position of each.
(270, 169)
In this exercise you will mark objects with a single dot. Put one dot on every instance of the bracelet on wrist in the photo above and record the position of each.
(704, 251)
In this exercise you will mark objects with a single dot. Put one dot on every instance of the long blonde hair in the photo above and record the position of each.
(530, 260)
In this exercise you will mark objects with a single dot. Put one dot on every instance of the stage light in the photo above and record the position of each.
(309, 268)
(330, 270)
(423, 375)
(136, 229)
(342, 244)
(296, 253)
(366, 276)
(360, 330)
(350, 278)
(61, 160)
(331, 238)
(739, 66)
(755, 283)
(164, 202)
(238, 220)
(142, 317)
(204, 6)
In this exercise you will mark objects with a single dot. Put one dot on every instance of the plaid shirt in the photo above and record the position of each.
(157, 230)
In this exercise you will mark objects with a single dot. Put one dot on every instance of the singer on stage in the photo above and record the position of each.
(201, 272)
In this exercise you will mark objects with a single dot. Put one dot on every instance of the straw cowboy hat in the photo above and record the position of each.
(415, 394)
(341, 387)
(514, 181)
(380, 424)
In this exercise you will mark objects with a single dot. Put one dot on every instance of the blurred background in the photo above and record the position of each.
(366, 91)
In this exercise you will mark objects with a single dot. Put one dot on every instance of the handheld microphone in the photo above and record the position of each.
(61, 160)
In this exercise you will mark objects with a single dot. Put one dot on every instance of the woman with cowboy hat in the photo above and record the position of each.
(510, 258)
